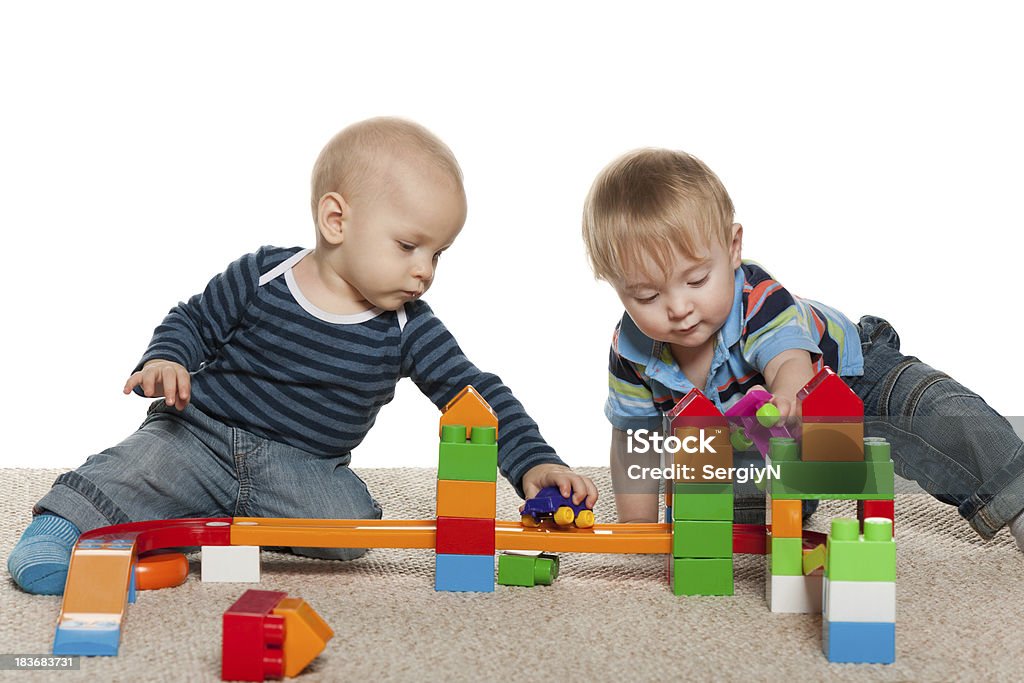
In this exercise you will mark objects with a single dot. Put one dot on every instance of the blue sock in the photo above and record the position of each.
(39, 563)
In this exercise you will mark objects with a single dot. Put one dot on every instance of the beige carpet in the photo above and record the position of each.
(960, 612)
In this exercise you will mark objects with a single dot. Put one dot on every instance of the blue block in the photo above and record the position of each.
(469, 573)
(860, 642)
(131, 585)
(96, 640)
(668, 515)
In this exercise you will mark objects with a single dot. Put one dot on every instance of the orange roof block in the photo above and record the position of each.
(470, 409)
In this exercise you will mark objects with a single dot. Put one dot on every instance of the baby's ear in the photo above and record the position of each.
(332, 212)
(736, 248)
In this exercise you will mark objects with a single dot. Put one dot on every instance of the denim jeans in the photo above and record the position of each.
(186, 464)
(943, 436)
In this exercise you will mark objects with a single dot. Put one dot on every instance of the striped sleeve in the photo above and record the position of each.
(433, 360)
(194, 330)
(630, 403)
(775, 321)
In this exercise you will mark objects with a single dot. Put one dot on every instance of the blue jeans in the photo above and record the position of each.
(186, 464)
(943, 436)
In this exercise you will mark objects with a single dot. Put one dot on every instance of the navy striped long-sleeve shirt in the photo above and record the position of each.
(265, 359)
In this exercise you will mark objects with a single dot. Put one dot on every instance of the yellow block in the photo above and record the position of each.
(305, 634)
(466, 498)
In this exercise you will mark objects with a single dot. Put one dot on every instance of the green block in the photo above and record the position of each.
(786, 557)
(701, 538)
(852, 557)
(527, 570)
(467, 461)
(707, 576)
(700, 501)
(796, 479)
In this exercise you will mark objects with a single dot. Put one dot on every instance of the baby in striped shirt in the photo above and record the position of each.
(276, 371)
(659, 228)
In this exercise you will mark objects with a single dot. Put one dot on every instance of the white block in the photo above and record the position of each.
(860, 601)
(231, 563)
(794, 594)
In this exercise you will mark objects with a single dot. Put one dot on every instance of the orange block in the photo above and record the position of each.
(160, 570)
(787, 519)
(98, 564)
(466, 498)
(717, 438)
(833, 442)
(305, 634)
(470, 409)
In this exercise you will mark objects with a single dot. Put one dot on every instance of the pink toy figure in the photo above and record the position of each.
(757, 421)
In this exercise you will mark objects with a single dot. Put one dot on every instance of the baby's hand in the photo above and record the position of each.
(163, 378)
(567, 481)
(789, 407)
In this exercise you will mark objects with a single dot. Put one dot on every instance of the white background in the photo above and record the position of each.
(873, 154)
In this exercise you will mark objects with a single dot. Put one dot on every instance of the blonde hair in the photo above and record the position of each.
(649, 203)
(355, 159)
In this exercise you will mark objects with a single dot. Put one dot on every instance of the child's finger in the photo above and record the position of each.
(149, 382)
(132, 382)
(170, 382)
(184, 387)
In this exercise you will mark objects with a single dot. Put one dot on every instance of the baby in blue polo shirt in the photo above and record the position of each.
(658, 226)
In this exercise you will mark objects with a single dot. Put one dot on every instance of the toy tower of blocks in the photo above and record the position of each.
(467, 472)
(700, 503)
(835, 462)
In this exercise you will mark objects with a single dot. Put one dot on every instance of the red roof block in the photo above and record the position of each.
(695, 410)
(827, 398)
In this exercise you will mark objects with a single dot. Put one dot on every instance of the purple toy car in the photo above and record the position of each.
(549, 503)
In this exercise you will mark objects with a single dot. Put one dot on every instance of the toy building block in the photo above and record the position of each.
(798, 479)
(472, 459)
(701, 576)
(253, 638)
(756, 421)
(465, 536)
(266, 634)
(833, 441)
(231, 564)
(469, 409)
(702, 539)
(827, 398)
(698, 500)
(305, 634)
(694, 410)
(467, 573)
(160, 570)
(466, 498)
(786, 520)
(851, 557)
(814, 558)
(858, 642)
(794, 594)
(876, 508)
(859, 601)
(714, 464)
(527, 570)
(90, 621)
(785, 556)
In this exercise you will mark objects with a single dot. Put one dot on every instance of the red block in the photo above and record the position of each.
(465, 536)
(696, 410)
(253, 638)
(876, 508)
(827, 398)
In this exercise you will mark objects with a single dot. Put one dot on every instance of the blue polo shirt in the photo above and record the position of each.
(644, 380)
